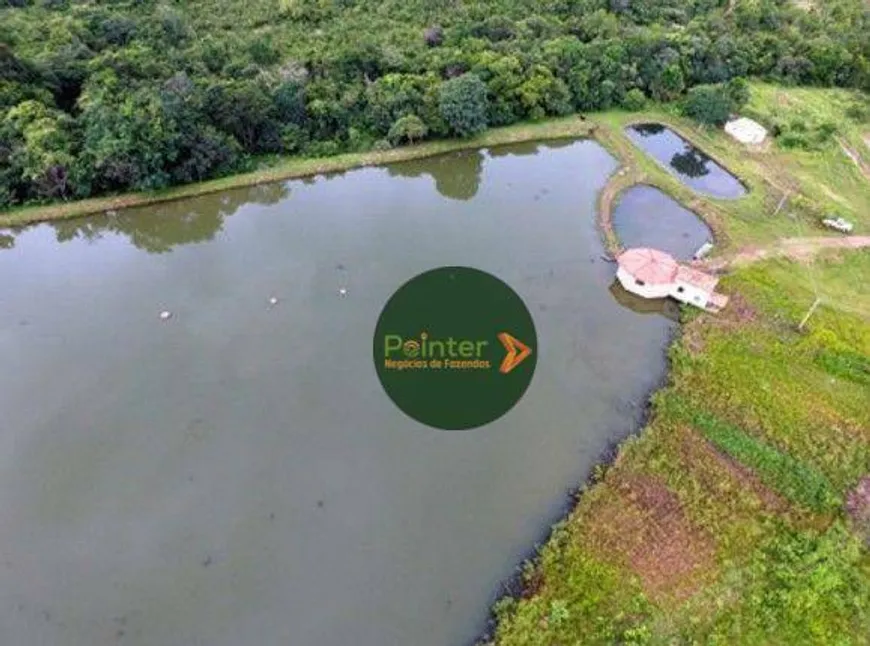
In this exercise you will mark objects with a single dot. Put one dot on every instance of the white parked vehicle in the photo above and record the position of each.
(839, 224)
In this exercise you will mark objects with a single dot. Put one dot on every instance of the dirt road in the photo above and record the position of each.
(795, 248)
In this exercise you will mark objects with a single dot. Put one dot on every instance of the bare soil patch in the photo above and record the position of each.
(801, 249)
(693, 335)
(858, 507)
(740, 311)
(643, 525)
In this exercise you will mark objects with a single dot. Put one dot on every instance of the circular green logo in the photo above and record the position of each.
(455, 348)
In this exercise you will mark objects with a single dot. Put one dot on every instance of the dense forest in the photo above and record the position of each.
(100, 97)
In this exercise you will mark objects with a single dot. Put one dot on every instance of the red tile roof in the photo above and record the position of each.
(651, 266)
(699, 279)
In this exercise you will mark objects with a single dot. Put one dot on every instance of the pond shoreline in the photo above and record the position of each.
(628, 174)
(297, 168)
(514, 586)
(631, 174)
(574, 126)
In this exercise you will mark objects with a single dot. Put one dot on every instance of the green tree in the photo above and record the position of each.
(463, 104)
(43, 156)
(634, 100)
(708, 104)
(737, 90)
(542, 94)
(503, 76)
(409, 128)
(129, 138)
(669, 84)
(290, 102)
(245, 110)
(391, 97)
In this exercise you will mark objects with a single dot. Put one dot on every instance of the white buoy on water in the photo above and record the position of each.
(342, 292)
(273, 301)
(165, 315)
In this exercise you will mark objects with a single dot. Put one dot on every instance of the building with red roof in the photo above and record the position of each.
(651, 273)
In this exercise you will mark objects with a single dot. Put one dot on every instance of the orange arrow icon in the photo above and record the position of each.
(517, 351)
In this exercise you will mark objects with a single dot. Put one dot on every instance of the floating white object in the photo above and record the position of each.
(273, 301)
(342, 292)
(746, 131)
(165, 315)
(703, 250)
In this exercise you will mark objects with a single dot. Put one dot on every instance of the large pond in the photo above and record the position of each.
(688, 163)
(236, 474)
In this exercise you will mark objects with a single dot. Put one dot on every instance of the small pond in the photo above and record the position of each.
(688, 163)
(646, 217)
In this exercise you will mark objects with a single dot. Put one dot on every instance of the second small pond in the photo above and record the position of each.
(646, 217)
(690, 164)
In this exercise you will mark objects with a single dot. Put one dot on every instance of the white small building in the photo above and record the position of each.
(746, 131)
(651, 273)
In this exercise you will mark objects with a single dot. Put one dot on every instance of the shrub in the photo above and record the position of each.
(293, 139)
(708, 104)
(737, 90)
(801, 587)
(634, 100)
(323, 149)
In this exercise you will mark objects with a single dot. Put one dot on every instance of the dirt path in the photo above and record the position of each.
(795, 248)
(855, 156)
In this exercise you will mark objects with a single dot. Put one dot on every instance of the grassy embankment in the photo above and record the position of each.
(735, 517)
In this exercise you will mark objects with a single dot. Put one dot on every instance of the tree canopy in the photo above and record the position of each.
(105, 97)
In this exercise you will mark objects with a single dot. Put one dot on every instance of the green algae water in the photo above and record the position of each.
(235, 474)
